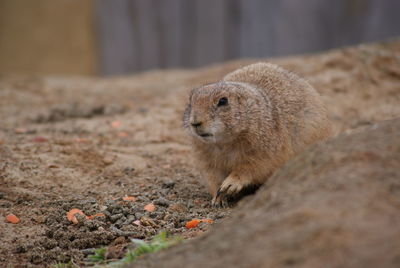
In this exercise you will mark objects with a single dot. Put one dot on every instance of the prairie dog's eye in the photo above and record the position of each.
(222, 101)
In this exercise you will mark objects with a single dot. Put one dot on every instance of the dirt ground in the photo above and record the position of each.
(74, 142)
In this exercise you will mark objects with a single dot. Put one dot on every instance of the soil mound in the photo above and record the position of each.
(336, 205)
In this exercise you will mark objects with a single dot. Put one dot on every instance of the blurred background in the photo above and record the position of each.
(115, 37)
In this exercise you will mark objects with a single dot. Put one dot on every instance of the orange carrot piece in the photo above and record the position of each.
(39, 139)
(12, 218)
(71, 215)
(150, 207)
(129, 198)
(193, 223)
(116, 124)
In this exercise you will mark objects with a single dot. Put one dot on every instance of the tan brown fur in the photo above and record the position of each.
(270, 116)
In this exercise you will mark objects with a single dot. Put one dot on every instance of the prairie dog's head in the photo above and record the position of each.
(217, 113)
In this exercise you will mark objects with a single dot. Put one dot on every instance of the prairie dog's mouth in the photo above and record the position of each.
(204, 135)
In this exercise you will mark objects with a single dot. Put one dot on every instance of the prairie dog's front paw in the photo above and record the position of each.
(230, 187)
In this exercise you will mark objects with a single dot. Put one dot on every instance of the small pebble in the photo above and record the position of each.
(168, 184)
(162, 202)
(115, 217)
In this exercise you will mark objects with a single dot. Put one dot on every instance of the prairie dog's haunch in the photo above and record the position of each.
(246, 126)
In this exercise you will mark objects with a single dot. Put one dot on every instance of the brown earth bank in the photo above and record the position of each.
(75, 142)
(335, 205)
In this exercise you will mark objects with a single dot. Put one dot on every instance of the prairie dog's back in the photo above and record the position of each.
(296, 104)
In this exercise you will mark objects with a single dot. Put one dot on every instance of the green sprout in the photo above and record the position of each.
(99, 255)
(159, 242)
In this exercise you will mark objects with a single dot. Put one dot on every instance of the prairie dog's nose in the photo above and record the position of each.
(195, 123)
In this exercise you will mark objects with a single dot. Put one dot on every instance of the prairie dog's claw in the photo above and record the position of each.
(220, 201)
(228, 189)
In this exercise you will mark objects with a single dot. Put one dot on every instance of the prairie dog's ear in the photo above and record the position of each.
(259, 74)
(190, 94)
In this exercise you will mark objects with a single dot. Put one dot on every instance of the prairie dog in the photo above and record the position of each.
(246, 126)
